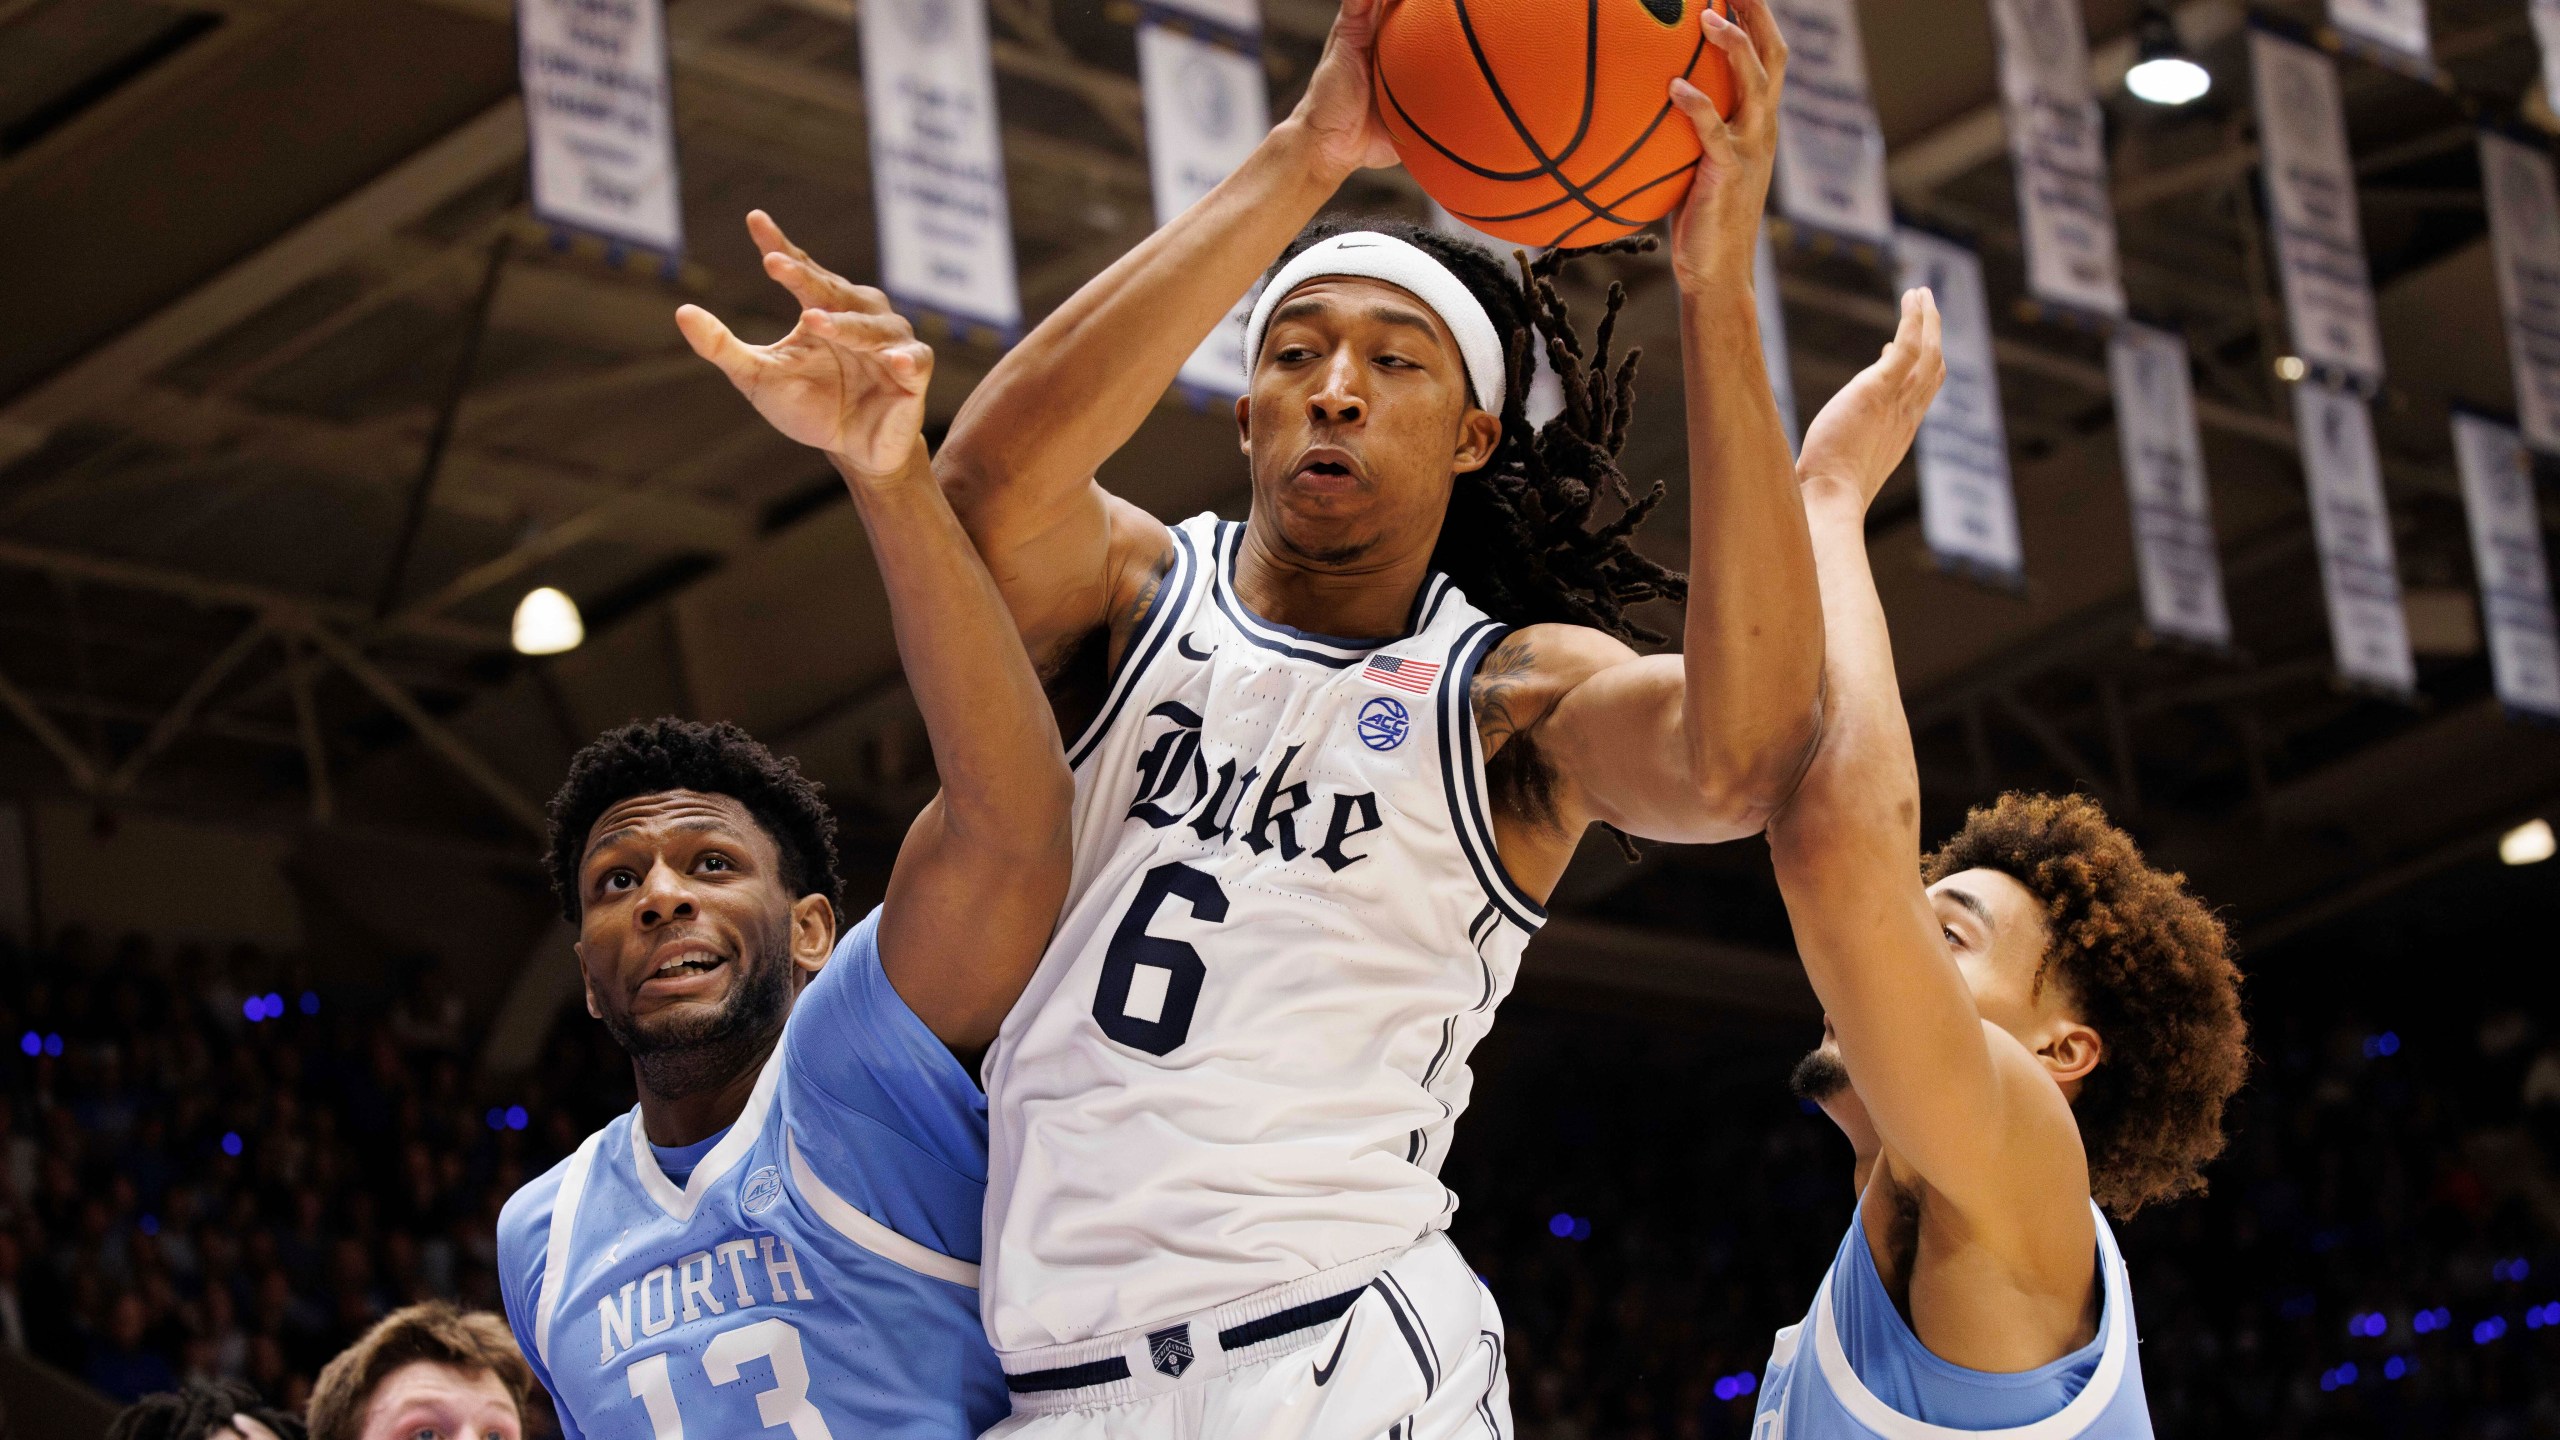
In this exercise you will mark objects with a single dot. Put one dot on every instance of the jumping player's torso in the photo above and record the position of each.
(1853, 1369)
(814, 1272)
(1240, 1061)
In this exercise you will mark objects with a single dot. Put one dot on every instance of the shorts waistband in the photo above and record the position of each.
(1152, 1359)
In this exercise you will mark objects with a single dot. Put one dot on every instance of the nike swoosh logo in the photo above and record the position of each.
(1324, 1372)
(1184, 645)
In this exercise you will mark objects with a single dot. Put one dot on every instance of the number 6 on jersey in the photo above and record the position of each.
(1150, 984)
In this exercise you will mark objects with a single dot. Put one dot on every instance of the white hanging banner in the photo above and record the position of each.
(2164, 479)
(2524, 228)
(2506, 549)
(2057, 142)
(1207, 107)
(2546, 28)
(1831, 172)
(600, 131)
(2359, 568)
(937, 162)
(1773, 337)
(2311, 198)
(2399, 26)
(1968, 514)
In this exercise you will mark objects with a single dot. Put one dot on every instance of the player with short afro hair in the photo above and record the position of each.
(711, 758)
(2147, 966)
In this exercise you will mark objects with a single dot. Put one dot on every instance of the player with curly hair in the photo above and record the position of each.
(785, 1231)
(2032, 1029)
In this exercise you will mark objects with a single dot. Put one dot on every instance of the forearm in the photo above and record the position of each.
(1845, 849)
(1861, 791)
(1082, 382)
(1753, 637)
(995, 746)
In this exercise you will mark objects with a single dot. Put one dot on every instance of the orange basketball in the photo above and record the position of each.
(1547, 122)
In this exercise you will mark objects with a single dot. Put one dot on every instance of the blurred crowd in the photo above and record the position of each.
(210, 1169)
(2379, 1254)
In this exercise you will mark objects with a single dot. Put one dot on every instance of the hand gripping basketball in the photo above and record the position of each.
(1718, 225)
(1552, 122)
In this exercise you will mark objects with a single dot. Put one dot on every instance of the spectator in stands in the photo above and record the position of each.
(205, 1410)
(428, 1369)
(123, 1367)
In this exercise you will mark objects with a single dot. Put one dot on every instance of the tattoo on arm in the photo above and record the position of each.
(1517, 773)
(1077, 672)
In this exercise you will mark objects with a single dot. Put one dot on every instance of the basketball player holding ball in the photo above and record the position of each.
(1331, 759)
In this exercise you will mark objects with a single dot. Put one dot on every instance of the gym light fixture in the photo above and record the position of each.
(2163, 73)
(2528, 844)
(547, 623)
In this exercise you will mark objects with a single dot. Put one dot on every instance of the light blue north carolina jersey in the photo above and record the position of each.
(816, 1273)
(1854, 1371)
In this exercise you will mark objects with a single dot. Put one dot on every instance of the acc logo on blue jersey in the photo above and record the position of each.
(761, 1190)
(1384, 724)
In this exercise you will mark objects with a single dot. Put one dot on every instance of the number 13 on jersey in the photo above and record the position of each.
(785, 1402)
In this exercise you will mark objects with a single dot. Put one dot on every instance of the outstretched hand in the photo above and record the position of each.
(1862, 435)
(1714, 231)
(849, 379)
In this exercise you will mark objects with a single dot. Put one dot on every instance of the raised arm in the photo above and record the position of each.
(1944, 1093)
(1020, 458)
(1705, 745)
(977, 886)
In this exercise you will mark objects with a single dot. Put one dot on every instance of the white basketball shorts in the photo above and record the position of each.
(1413, 1354)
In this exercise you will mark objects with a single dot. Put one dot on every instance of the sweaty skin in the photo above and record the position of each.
(1974, 1186)
(1358, 424)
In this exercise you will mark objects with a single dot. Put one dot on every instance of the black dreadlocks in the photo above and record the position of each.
(1519, 539)
(203, 1407)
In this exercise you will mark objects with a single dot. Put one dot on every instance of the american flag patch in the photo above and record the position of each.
(1414, 676)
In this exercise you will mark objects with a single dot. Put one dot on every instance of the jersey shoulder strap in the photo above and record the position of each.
(1192, 542)
(555, 1255)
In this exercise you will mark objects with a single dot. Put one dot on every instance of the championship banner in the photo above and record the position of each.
(2057, 143)
(2164, 480)
(937, 163)
(1968, 514)
(2399, 26)
(2524, 228)
(1200, 71)
(1831, 172)
(2311, 198)
(2506, 548)
(2359, 569)
(1773, 337)
(2546, 29)
(599, 118)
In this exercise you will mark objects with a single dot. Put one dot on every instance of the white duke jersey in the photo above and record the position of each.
(1235, 1073)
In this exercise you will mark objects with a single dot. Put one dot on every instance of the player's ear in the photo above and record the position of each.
(1244, 423)
(2070, 1051)
(586, 986)
(1478, 436)
(813, 931)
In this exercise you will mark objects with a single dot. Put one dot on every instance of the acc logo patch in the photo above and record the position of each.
(1171, 1349)
(761, 1190)
(1384, 723)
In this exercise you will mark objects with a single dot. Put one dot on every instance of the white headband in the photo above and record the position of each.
(1368, 255)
